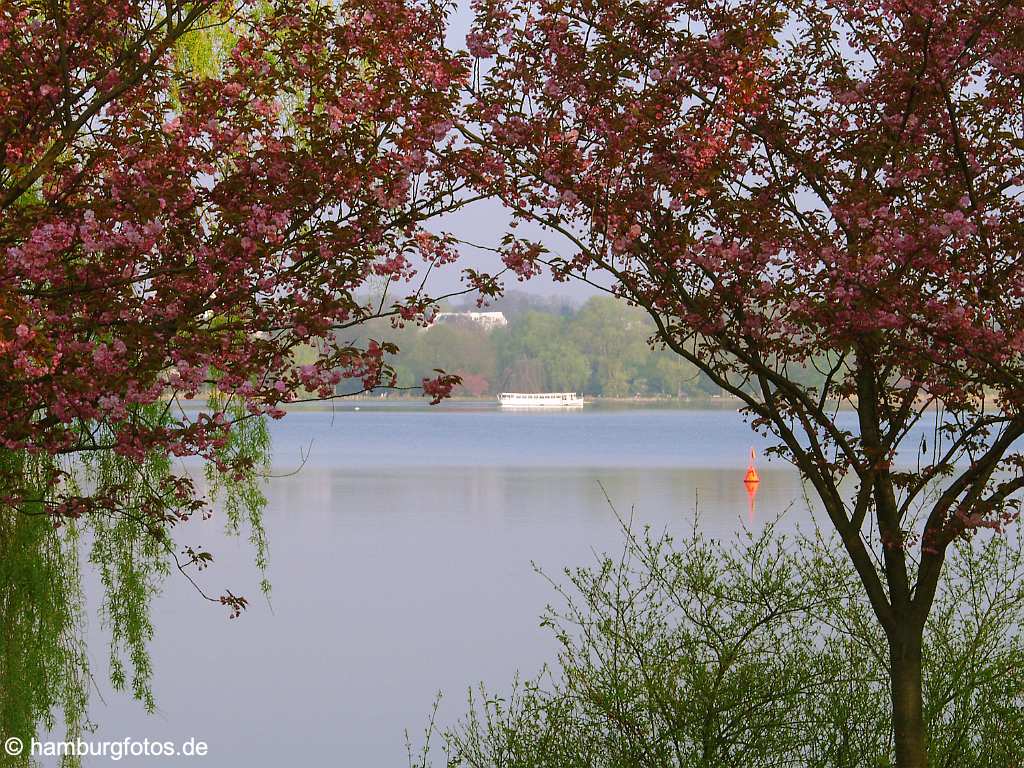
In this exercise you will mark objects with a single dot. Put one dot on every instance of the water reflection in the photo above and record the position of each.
(401, 564)
(389, 586)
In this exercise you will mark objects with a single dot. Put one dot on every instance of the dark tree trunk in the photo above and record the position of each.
(907, 702)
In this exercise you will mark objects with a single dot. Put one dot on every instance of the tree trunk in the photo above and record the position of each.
(907, 702)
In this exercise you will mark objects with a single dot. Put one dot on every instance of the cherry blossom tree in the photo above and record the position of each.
(820, 183)
(189, 193)
(167, 232)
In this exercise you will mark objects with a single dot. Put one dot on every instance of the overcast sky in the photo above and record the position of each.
(485, 223)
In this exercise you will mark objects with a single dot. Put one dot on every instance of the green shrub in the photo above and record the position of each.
(760, 652)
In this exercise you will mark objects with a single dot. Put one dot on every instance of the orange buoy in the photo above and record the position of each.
(751, 481)
(751, 476)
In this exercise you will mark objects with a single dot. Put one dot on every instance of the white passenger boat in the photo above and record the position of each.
(540, 400)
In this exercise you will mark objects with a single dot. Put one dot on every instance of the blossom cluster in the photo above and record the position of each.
(170, 230)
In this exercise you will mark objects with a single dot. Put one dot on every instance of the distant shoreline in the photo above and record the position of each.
(725, 401)
(711, 401)
(588, 398)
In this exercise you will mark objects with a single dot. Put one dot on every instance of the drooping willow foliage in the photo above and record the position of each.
(43, 662)
(45, 674)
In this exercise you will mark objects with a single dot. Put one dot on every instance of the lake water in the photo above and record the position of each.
(401, 565)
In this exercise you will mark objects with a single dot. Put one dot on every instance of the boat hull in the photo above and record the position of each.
(522, 400)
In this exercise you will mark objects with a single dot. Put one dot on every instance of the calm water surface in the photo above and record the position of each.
(401, 565)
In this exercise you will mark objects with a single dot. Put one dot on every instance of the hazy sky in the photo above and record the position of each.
(485, 223)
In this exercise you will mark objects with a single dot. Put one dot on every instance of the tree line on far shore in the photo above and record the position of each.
(598, 348)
